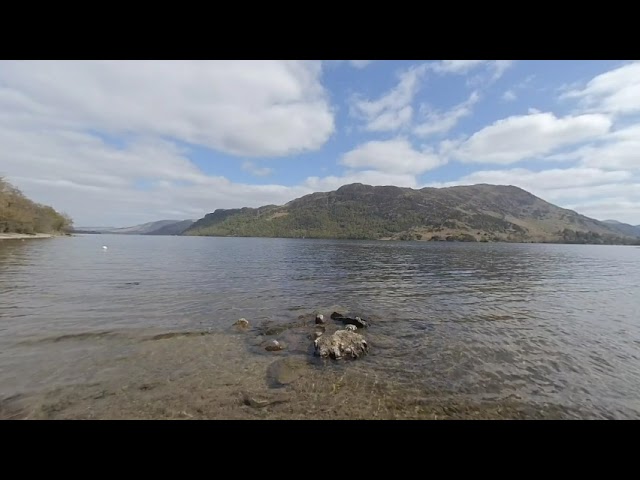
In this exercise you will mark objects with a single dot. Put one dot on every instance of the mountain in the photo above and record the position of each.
(624, 228)
(161, 227)
(467, 213)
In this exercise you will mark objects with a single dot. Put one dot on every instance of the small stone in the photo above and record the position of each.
(319, 319)
(350, 327)
(252, 401)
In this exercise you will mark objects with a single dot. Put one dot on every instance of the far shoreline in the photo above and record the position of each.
(22, 236)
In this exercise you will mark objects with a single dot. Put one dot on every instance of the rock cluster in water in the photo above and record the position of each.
(343, 343)
(328, 343)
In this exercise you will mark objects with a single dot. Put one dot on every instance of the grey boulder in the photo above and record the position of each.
(342, 344)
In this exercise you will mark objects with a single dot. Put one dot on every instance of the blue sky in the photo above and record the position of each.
(125, 142)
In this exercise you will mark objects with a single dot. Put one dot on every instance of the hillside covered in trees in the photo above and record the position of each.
(483, 213)
(18, 214)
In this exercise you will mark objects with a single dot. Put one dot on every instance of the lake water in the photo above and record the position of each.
(144, 329)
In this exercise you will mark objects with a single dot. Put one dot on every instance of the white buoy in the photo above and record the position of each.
(104, 247)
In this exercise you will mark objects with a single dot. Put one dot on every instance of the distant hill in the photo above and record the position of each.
(172, 229)
(86, 230)
(161, 227)
(464, 213)
(624, 228)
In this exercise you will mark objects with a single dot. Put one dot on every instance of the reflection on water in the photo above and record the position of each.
(143, 329)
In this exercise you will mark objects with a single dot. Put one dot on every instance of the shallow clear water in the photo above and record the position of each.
(457, 330)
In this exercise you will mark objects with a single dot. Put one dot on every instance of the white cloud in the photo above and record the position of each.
(624, 209)
(509, 96)
(616, 91)
(87, 159)
(499, 67)
(617, 150)
(617, 154)
(391, 119)
(495, 68)
(442, 122)
(629, 187)
(544, 180)
(459, 67)
(391, 156)
(250, 108)
(393, 110)
(523, 137)
(360, 63)
(253, 169)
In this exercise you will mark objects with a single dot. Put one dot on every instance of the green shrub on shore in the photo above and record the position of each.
(18, 214)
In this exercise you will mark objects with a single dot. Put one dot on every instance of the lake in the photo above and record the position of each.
(144, 329)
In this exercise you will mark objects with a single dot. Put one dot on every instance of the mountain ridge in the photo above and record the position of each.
(160, 227)
(479, 212)
(624, 228)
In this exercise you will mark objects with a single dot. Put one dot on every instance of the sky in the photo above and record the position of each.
(119, 143)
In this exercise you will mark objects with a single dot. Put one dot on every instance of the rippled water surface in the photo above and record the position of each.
(144, 329)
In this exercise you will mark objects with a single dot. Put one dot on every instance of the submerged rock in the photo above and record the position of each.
(357, 321)
(343, 343)
(270, 328)
(320, 329)
(285, 371)
(274, 346)
(320, 319)
(242, 323)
